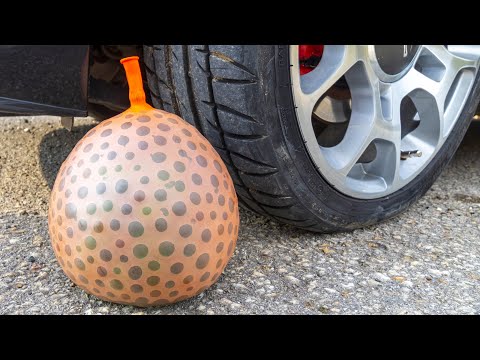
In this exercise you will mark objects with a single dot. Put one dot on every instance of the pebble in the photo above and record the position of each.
(57, 296)
(292, 279)
(466, 310)
(38, 241)
(312, 285)
(235, 306)
(42, 275)
(260, 291)
(230, 303)
(373, 283)
(266, 252)
(435, 272)
(240, 286)
(331, 291)
(381, 277)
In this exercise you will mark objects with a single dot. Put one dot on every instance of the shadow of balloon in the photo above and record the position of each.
(55, 147)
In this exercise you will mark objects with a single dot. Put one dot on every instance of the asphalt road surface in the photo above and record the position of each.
(425, 261)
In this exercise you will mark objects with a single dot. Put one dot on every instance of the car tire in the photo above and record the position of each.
(240, 98)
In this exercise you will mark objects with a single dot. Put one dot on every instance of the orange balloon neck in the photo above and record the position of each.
(136, 93)
(139, 107)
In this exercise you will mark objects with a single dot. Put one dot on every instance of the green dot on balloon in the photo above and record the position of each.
(163, 175)
(107, 205)
(140, 251)
(118, 168)
(179, 186)
(117, 270)
(153, 265)
(147, 210)
(137, 167)
(102, 170)
(116, 284)
(166, 248)
(135, 229)
(90, 243)
(91, 208)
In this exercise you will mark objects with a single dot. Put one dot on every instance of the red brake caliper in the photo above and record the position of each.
(309, 56)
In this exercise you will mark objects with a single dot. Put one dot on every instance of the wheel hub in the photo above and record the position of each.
(391, 62)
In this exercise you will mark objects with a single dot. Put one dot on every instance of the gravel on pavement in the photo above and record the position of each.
(425, 261)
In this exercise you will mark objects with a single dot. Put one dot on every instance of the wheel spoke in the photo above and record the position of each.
(414, 80)
(465, 51)
(365, 128)
(450, 59)
(345, 155)
(437, 81)
(336, 61)
(453, 65)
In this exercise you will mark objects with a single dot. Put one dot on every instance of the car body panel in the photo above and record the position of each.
(44, 79)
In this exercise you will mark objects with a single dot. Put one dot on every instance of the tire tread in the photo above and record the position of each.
(197, 82)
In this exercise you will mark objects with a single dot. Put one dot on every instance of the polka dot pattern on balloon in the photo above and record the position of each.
(143, 211)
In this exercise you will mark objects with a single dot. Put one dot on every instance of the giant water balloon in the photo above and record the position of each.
(143, 210)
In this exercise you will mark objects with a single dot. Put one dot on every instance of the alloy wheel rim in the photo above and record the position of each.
(395, 118)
